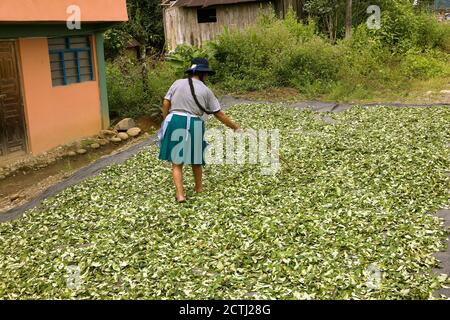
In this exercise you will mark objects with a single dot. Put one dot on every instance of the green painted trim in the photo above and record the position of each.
(99, 42)
(19, 30)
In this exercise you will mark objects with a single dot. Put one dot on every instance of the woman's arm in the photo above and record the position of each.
(165, 108)
(222, 117)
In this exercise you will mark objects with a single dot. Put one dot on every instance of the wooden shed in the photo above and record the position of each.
(194, 22)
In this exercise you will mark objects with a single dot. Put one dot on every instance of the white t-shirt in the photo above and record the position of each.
(181, 98)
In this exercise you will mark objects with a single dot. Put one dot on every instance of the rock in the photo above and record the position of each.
(122, 136)
(71, 153)
(95, 146)
(81, 151)
(107, 133)
(133, 132)
(2, 177)
(103, 142)
(14, 197)
(125, 124)
(115, 139)
(429, 93)
(445, 91)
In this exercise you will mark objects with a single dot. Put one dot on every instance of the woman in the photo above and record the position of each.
(182, 132)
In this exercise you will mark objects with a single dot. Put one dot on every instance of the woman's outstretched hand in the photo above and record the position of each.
(222, 117)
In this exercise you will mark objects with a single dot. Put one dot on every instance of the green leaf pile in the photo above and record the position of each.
(357, 191)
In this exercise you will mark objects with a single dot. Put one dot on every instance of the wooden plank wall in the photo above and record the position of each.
(181, 26)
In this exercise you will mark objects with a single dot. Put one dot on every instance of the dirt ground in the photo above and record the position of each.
(417, 96)
(28, 176)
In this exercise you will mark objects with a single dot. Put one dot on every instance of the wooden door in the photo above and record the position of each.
(12, 123)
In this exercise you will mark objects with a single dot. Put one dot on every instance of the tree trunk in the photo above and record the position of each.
(144, 70)
(348, 19)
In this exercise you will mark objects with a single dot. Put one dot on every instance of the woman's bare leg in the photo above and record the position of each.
(198, 171)
(177, 173)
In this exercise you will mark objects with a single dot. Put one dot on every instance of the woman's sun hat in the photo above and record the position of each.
(200, 65)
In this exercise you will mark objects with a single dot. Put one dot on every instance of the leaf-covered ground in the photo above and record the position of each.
(359, 192)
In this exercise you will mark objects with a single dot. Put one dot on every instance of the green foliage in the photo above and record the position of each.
(125, 91)
(312, 65)
(410, 45)
(127, 97)
(357, 193)
(302, 32)
(404, 27)
(116, 40)
(145, 25)
(250, 59)
(277, 53)
(424, 65)
(181, 58)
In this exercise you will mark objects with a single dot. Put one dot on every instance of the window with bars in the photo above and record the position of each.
(70, 60)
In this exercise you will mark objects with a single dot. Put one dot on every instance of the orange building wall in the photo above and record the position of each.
(55, 115)
(56, 10)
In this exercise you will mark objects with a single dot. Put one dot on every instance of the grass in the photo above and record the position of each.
(414, 92)
(358, 193)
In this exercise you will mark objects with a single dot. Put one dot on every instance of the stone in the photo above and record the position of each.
(107, 133)
(115, 139)
(103, 142)
(125, 124)
(71, 153)
(429, 93)
(95, 146)
(81, 151)
(2, 177)
(133, 132)
(122, 136)
(445, 91)
(14, 197)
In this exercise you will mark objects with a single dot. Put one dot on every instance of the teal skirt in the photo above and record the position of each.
(181, 146)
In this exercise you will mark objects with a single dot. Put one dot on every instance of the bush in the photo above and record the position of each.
(127, 97)
(310, 66)
(423, 66)
(125, 90)
(181, 58)
(250, 59)
(404, 27)
(287, 53)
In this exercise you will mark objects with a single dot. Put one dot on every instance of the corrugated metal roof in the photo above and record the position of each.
(207, 3)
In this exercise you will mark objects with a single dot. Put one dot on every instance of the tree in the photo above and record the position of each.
(145, 25)
(336, 17)
(348, 19)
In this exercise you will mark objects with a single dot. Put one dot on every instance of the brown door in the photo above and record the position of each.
(12, 126)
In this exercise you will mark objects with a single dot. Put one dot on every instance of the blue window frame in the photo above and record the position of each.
(70, 60)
